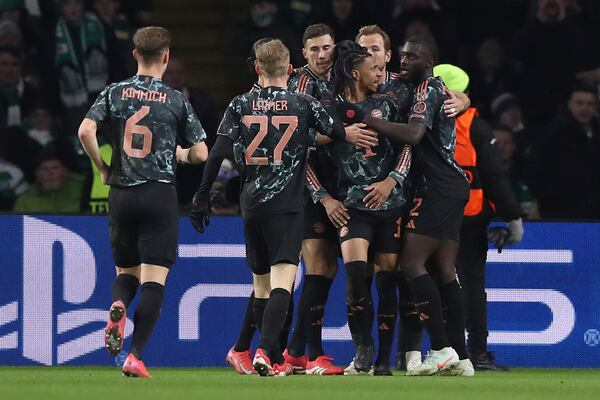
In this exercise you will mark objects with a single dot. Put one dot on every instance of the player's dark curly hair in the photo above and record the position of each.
(348, 55)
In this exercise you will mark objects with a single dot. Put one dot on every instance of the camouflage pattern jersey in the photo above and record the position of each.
(303, 80)
(402, 91)
(435, 168)
(147, 120)
(270, 129)
(358, 168)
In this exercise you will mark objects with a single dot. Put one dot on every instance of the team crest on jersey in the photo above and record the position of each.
(376, 113)
(319, 227)
(420, 107)
(343, 231)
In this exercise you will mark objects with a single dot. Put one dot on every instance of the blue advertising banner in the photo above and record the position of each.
(56, 273)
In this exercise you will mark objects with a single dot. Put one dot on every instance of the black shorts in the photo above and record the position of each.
(317, 224)
(273, 239)
(436, 215)
(380, 228)
(143, 222)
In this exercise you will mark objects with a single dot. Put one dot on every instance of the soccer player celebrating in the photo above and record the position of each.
(269, 131)
(148, 120)
(370, 184)
(441, 192)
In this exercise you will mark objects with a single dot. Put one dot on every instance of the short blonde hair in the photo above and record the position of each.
(273, 57)
(151, 42)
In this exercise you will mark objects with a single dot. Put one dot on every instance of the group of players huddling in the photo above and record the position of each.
(338, 158)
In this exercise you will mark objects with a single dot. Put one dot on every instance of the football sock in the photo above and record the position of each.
(146, 316)
(298, 342)
(124, 288)
(287, 326)
(387, 310)
(429, 306)
(410, 335)
(453, 300)
(248, 327)
(316, 300)
(361, 304)
(273, 321)
(259, 310)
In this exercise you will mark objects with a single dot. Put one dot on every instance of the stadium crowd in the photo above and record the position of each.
(533, 77)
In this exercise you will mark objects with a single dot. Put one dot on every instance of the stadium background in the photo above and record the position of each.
(47, 270)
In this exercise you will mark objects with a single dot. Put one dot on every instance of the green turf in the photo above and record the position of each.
(89, 383)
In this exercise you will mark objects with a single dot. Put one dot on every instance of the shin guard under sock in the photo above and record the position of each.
(427, 299)
(146, 315)
(387, 310)
(124, 288)
(453, 300)
(273, 321)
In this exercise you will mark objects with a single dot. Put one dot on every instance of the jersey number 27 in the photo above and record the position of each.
(263, 127)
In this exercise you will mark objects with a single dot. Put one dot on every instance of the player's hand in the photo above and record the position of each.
(498, 235)
(379, 193)
(349, 113)
(454, 106)
(361, 137)
(515, 228)
(199, 214)
(182, 155)
(105, 173)
(336, 211)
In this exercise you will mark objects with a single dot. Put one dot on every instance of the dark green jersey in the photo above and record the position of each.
(147, 121)
(358, 168)
(435, 168)
(270, 129)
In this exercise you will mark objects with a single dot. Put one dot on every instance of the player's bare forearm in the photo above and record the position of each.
(89, 141)
(198, 153)
(410, 133)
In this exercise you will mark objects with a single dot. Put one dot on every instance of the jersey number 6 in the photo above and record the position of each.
(131, 127)
(263, 127)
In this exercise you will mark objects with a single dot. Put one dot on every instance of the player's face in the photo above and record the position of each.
(318, 53)
(375, 46)
(414, 61)
(582, 106)
(368, 75)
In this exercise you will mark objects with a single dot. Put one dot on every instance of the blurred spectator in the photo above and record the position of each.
(344, 19)
(80, 60)
(16, 11)
(492, 75)
(56, 190)
(16, 95)
(12, 184)
(138, 12)
(507, 147)
(568, 176)
(506, 111)
(263, 21)
(189, 176)
(550, 49)
(119, 34)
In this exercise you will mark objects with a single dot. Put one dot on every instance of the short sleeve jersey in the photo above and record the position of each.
(270, 132)
(303, 80)
(359, 167)
(147, 121)
(434, 155)
(404, 92)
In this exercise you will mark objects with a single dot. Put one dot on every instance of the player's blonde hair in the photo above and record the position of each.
(273, 57)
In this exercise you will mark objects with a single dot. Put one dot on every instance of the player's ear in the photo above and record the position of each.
(135, 55)
(355, 74)
(290, 69)
(257, 69)
(388, 56)
(304, 53)
(166, 57)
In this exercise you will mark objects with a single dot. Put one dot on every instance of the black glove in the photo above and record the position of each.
(499, 236)
(199, 214)
(349, 113)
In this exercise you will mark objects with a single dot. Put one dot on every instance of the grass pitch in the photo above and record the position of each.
(90, 383)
